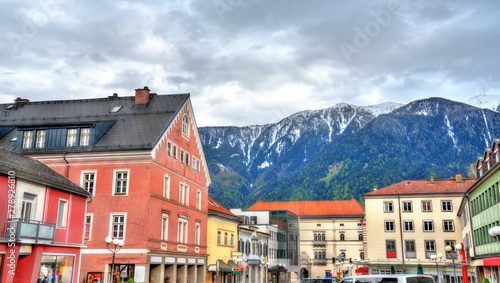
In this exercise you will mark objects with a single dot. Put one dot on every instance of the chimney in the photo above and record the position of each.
(432, 179)
(142, 95)
(19, 99)
(458, 178)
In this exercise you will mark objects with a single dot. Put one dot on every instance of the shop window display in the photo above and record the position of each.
(56, 268)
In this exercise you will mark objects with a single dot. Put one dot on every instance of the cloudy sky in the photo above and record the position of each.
(250, 61)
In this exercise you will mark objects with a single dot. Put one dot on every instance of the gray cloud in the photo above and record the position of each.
(250, 62)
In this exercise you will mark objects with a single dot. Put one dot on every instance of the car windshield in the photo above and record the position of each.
(377, 280)
(419, 280)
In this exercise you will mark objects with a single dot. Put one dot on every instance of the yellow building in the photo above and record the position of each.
(410, 222)
(222, 243)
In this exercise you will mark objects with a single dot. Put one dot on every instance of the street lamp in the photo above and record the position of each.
(436, 259)
(339, 265)
(449, 249)
(118, 243)
(357, 262)
(495, 232)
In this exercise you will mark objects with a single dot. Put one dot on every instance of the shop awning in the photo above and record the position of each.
(223, 267)
(491, 261)
(243, 267)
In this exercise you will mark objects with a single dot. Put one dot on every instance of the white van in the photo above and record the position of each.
(389, 278)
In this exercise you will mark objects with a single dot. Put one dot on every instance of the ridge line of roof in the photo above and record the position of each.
(188, 95)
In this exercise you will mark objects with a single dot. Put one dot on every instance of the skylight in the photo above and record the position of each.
(116, 109)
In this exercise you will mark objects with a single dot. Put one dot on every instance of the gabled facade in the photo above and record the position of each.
(141, 159)
(408, 222)
(41, 226)
(481, 211)
(222, 242)
(330, 232)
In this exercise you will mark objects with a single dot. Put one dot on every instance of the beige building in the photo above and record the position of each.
(410, 221)
(328, 230)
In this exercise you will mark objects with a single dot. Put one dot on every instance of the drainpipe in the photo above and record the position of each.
(67, 165)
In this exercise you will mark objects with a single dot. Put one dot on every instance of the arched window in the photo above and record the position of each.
(362, 255)
(185, 125)
(315, 237)
(360, 237)
(323, 237)
(342, 237)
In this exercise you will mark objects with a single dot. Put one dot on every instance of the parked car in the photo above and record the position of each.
(389, 278)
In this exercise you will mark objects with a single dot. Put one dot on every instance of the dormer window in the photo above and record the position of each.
(71, 137)
(40, 138)
(85, 137)
(27, 139)
(488, 164)
(185, 125)
(116, 109)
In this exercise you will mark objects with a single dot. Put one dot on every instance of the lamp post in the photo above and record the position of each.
(495, 232)
(118, 244)
(436, 259)
(449, 249)
(339, 265)
(357, 262)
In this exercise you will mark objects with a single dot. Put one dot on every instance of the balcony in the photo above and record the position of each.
(30, 231)
(319, 243)
(320, 261)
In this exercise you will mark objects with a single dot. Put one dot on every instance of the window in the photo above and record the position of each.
(185, 125)
(184, 194)
(118, 226)
(71, 137)
(174, 152)
(426, 206)
(197, 234)
(253, 219)
(389, 226)
(407, 206)
(28, 206)
(360, 224)
(183, 231)
(164, 227)
(198, 199)
(197, 165)
(428, 226)
(85, 137)
(452, 244)
(166, 186)
(182, 155)
(116, 109)
(121, 182)
(341, 224)
(362, 255)
(40, 138)
(410, 250)
(342, 236)
(360, 237)
(169, 148)
(88, 182)
(187, 159)
(88, 227)
(390, 247)
(218, 237)
(448, 226)
(430, 248)
(446, 205)
(248, 247)
(62, 213)
(232, 239)
(27, 139)
(408, 226)
(225, 238)
(388, 206)
(194, 163)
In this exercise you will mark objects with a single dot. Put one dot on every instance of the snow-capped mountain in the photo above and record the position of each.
(487, 101)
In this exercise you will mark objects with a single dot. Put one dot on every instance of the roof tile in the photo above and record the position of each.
(320, 207)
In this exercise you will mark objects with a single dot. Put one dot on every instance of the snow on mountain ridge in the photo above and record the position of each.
(488, 101)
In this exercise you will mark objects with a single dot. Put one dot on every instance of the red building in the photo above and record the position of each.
(41, 227)
(141, 159)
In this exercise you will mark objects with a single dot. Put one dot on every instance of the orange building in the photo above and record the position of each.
(141, 159)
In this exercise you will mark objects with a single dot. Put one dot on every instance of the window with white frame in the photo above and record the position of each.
(193, 163)
(219, 237)
(121, 182)
(187, 159)
(408, 226)
(198, 199)
(452, 244)
(197, 233)
(27, 139)
(164, 227)
(174, 151)
(183, 194)
(428, 225)
(197, 165)
(232, 239)
(225, 238)
(446, 205)
(88, 181)
(169, 148)
(410, 250)
(71, 137)
(40, 138)
(166, 186)
(448, 226)
(185, 125)
(84, 136)
(388, 206)
(426, 206)
(28, 206)
(118, 226)
(182, 156)
(430, 248)
(389, 226)
(182, 234)
(88, 226)
(407, 206)
(62, 213)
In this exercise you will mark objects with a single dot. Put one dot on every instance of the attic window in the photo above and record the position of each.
(9, 107)
(116, 109)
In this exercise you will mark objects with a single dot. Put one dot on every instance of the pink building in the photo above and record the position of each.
(141, 159)
(41, 226)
